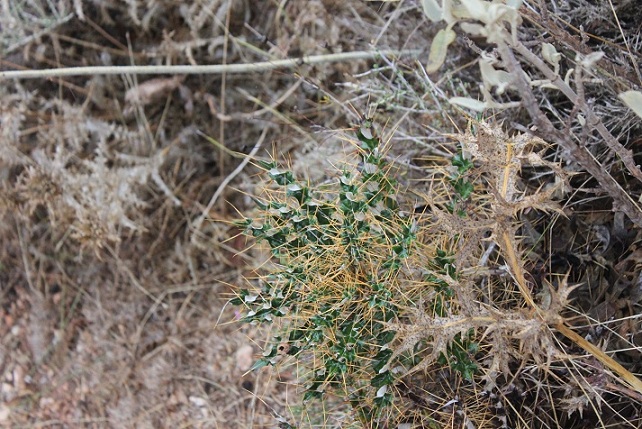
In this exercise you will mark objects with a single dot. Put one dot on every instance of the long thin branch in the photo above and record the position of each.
(202, 69)
(621, 199)
(599, 354)
(625, 155)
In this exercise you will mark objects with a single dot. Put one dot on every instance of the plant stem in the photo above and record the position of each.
(202, 69)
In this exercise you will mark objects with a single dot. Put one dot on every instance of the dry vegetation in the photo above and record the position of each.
(118, 195)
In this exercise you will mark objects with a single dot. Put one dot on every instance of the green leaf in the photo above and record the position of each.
(281, 177)
(367, 136)
(462, 164)
(383, 401)
(236, 301)
(300, 193)
(385, 337)
(293, 350)
(240, 299)
(464, 188)
(381, 359)
(296, 334)
(243, 223)
(260, 364)
(382, 379)
(312, 394)
(267, 165)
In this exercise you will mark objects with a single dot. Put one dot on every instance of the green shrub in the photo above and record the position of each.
(342, 253)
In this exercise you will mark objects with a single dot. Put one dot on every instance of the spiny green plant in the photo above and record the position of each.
(373, 298)
(340, 252)
(342, 274)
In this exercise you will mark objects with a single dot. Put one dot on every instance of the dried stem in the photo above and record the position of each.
(202, 69)
(592, 118)
(622, 200)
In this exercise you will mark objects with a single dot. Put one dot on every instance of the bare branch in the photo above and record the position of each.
(202, 69)
(625, 155)
(622, 201)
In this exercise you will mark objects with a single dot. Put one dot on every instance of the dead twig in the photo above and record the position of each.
(203, 69)
(622, 201)
(592, 119)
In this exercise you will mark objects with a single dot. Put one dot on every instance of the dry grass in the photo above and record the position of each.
(113, 294)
